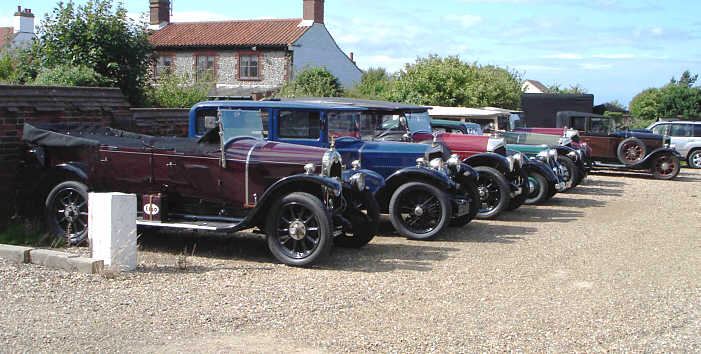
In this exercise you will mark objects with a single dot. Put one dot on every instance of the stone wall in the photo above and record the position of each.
(156, 121)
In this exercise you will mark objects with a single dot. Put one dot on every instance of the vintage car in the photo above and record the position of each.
(422, 198)
(233, 180)
(456, 127)
(543, 181)
(627, 150)
(501, 182)
(685, 138)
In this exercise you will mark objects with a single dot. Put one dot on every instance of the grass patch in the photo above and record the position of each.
(22, 232)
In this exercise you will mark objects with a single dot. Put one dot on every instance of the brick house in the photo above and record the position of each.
(248, 57)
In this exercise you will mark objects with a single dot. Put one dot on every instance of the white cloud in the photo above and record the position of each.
(7, 21)
(528, 67)
(656, 31)
(592, 66)
(613, 56)
(568, 56)
(466, 21)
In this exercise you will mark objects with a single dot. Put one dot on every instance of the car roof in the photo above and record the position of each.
(287, 104)
(360, 103)
(575, 114)
(453, 123)
(678, 122)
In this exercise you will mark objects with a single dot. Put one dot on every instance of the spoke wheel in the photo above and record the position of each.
(665, 166)
(631, 150)
(419, 210)
(493, 190)
(67, 212)
(299, 229)
(570, 171)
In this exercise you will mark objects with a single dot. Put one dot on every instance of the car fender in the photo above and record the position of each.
(543, 169)
(496, 161)
(411, 174)
(295, 183)
(373, 180)
(645, 163)
(75, 168)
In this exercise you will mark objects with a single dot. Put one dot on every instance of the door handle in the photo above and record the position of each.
(171, 164)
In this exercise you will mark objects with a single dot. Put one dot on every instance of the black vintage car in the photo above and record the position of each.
(300, 196)
(628, 150)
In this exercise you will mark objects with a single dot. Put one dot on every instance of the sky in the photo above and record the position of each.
(612, 48)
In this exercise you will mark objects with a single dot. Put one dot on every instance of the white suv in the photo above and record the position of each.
(686, 138)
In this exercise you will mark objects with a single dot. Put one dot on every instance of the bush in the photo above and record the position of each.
(375, 83)
(68, 75)
(316, 82)
(179, 91)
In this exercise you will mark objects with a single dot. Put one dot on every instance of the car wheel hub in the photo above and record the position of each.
(297, 230)
(531, 187)
(483, 192)
(71, 212)
(418, 211)
(665, 166)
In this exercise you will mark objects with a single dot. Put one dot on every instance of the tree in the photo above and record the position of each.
(179, 91)
(68, 75)
(101, 37)
(375, 83)
(676, 99)
(451, 82)
(575, 89)
(316, 82)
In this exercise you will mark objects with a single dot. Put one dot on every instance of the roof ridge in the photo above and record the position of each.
(229, 21)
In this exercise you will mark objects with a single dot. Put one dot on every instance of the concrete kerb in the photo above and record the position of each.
(51, 258)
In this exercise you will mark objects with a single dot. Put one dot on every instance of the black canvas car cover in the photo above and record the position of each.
(85, 135)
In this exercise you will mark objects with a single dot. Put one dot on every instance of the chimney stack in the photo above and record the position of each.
(160, 13)
(314, 11)
(23, 21)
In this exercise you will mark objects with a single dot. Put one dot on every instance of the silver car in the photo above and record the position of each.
(686, 138)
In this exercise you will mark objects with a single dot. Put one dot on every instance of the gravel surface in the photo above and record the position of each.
(613, 265)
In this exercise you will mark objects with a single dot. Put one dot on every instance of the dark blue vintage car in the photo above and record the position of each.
(424, 190)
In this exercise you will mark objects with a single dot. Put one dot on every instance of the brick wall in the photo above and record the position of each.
(156, 121)
(20, 104)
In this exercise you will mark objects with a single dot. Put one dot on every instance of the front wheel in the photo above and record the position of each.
(493, 190)
(419, 211)
(571, 172)
(299, 229)
(473, 193)
(665, 166)
(537, 188)
(66, 210)
(364, 215)
(522, 181)
(694, 159)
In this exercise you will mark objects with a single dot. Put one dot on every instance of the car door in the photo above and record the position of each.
(599, 137)
(189, 173)
(126, 170)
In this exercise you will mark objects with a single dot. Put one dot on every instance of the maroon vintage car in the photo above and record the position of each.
(231, 181)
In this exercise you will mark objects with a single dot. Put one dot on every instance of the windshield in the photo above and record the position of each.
(235, 123)
(419, 122)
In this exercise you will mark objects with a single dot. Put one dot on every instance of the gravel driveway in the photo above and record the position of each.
(613, 265)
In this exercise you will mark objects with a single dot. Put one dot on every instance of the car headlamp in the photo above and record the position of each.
(436, 164)
(355, 164)
(511, 162)
(453, 162)
(573, 155)
(543, 155)
(309, 168)
(420, 162)
(358, 181)
(552, 154)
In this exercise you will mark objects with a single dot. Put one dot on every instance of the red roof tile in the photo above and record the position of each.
(229, 33)
(5, 35)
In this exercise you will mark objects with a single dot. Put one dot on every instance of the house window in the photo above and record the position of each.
(248, 67)
(204, 67)
(163, 66)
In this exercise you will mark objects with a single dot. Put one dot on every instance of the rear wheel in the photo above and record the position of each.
(694, 159)
(364, 216)
(493, 190)
(665, 166)
(537, 188)
(299, 229)
(570, 173)
(66, 209)
(419, 210)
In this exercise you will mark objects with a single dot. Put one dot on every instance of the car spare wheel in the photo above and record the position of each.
(364, 215)
(66, 210)
(419, 210)
(665, 166)
(631, 150)
(299, 229)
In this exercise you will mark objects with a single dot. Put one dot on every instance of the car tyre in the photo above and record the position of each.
(694, 159)
(494, 192)
(665, 166)
(299, 229)
(631, 151)
(538, 188)
(474, 194)
(66, 210)
(573, 173)
(419, 211)
(363, 212)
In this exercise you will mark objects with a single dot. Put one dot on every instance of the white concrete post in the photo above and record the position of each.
(112, 229)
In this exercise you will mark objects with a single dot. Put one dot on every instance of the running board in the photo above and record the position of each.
(193, 225)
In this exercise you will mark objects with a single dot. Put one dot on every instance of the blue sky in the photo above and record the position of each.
(613, 48)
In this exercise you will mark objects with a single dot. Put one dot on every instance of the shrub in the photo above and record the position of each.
(179, 91)
(316, 82)
(69, 75)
